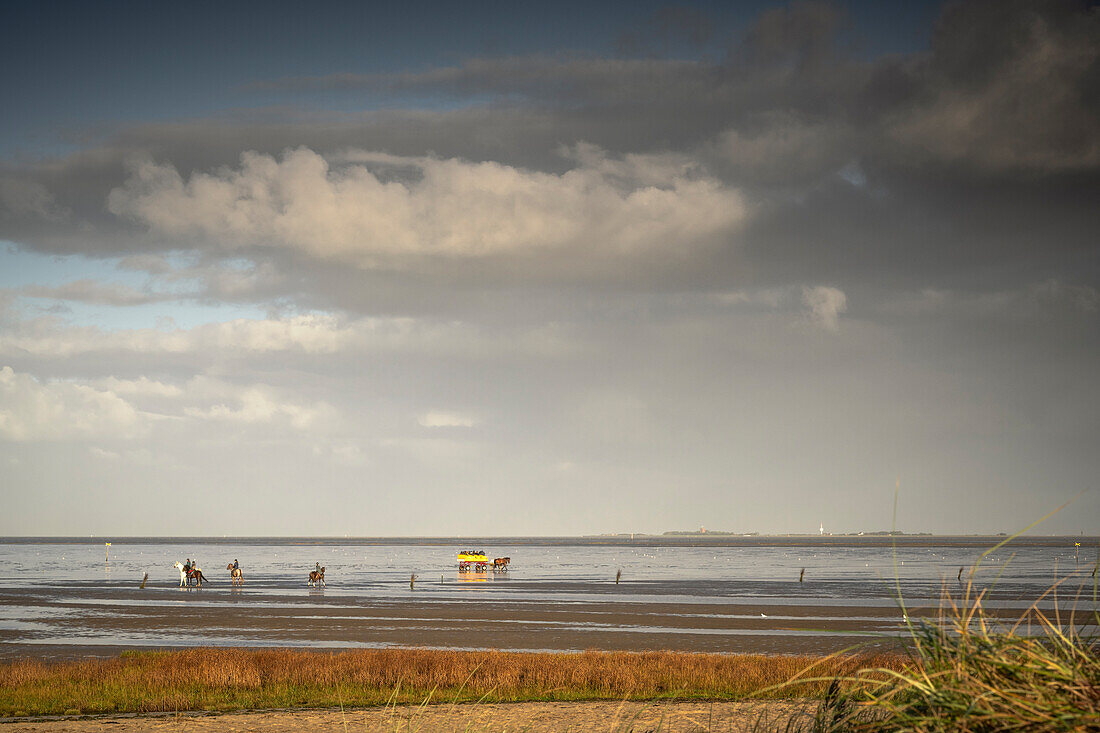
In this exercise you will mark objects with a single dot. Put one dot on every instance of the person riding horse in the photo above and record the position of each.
(191, 569)
(190, 572)
(235, 573)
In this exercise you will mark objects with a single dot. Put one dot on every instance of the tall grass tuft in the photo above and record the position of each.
(968, 671)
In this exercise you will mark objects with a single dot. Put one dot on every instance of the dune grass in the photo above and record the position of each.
(969, 672)
(247, 679)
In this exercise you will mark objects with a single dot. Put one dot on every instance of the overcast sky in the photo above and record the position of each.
(553, 268)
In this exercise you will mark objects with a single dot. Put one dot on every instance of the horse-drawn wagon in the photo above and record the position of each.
(478, 562)
(472, 561)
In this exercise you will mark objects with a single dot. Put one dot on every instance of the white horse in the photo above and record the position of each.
(183, 575)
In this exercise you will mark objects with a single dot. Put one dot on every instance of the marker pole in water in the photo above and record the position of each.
(107, 558)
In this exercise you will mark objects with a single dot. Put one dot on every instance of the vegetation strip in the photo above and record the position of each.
(248, 679)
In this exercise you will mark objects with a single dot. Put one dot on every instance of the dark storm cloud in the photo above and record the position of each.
(1006, 87)
(981, 155)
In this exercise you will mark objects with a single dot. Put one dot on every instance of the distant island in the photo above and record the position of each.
(715, 532)
(725, 533)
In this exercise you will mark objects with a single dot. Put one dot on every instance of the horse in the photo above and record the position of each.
(317, 576)
(194, 574)
(501, 563)
(235, 574)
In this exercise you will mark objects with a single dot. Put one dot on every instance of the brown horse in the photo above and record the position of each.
(235, 574)
(501, 563)
(192, 573)
(316, 576)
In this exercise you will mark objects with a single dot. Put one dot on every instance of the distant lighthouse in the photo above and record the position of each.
(821, 529)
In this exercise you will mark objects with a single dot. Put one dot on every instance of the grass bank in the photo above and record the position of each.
(247, 679)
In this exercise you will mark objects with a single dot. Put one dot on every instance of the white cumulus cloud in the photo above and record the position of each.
(142, 386)
(825, 305)
(445, 419)
(33, 410)
(261, 405)
(376, 210)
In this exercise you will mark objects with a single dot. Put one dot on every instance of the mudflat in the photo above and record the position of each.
(526, 716)
(101, 624)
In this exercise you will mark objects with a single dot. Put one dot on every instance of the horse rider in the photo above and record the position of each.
(317, 567)
(236, 565)
(187, 566)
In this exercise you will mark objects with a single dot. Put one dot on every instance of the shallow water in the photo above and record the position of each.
(64, 599)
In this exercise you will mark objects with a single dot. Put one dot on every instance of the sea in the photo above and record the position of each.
(77, 597)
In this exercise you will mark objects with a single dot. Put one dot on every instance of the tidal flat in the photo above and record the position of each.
(71, 600)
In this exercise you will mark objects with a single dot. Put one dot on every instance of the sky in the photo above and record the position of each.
(549, 268)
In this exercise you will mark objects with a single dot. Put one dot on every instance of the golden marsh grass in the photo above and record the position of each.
(243, 679)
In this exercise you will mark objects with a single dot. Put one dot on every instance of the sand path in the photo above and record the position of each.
(667, 717)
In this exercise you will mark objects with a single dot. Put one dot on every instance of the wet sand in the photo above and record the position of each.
(530, 716)
(104, 624)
